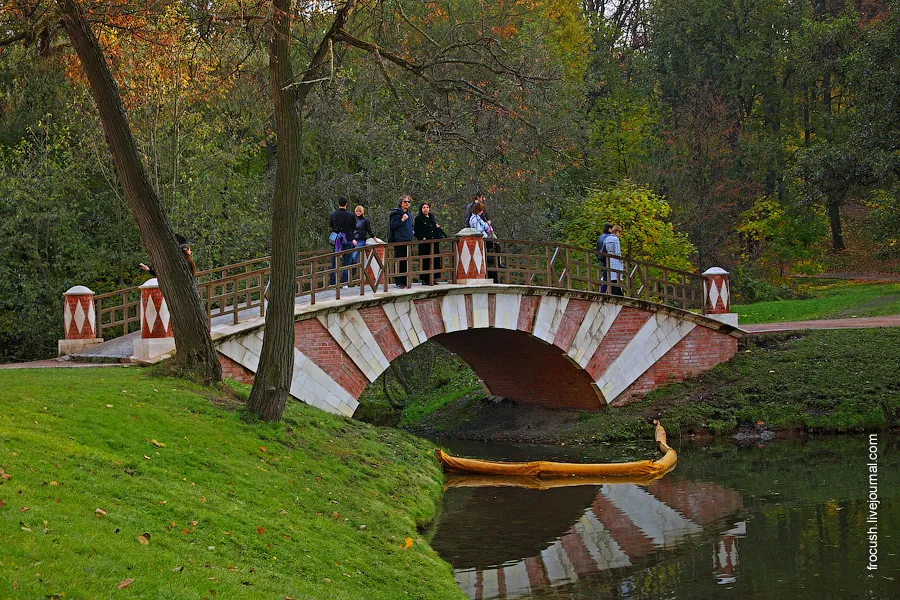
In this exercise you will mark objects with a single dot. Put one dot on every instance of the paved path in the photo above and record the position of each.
(853, 323)
(61, 362)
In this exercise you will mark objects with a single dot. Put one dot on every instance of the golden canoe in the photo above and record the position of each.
(642, 470)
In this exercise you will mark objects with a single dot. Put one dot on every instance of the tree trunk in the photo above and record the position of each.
(834, 217)
(273, 377)
(196, 352)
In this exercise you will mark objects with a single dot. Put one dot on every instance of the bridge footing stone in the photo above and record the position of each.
(67, 347)
(727, 318)
(153, 350)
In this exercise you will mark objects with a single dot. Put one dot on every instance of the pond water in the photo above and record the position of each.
(789, 519)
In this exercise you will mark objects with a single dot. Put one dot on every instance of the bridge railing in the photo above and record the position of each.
(559, 265)
(236, 289)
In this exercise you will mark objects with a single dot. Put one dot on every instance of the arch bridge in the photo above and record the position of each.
(534, 320)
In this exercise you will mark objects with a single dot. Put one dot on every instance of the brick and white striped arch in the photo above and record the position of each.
(559, 349)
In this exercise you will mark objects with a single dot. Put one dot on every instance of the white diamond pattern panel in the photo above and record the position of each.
(465, 258)
(597, 321)
(372, 264)
(164, 315)
(67, 316)
(723, 293)
(79, 316)
(713, 294)
(150, 313)
(559, 568)
(92, 318)
(657, 336)
(478, 260)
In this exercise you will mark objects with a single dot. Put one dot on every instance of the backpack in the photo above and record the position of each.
(390, 232)
(601, 242)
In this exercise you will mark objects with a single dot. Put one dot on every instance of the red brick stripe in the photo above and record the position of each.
(312, 339)
(430, 316)
(628, 322)
(232, 369)
(527, 311)
(378, 323)
(570, 323)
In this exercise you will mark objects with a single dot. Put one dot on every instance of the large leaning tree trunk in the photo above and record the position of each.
(273, 376)
(195, 350)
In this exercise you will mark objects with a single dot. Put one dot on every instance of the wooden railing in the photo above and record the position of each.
(239, 290)
(568, 267)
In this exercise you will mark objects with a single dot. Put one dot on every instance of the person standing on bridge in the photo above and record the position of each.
(400, 229)
(362, 232)
(479, 198)
(613, 247)
(603, 261)
(426, 228)
(343, 225)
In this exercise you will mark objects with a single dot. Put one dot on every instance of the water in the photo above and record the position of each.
(789, 519)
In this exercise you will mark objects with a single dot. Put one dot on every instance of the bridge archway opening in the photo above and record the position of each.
(519, 366)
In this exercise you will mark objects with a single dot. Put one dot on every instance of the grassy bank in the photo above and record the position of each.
(116, 475)
(822, 381)
(826, 299)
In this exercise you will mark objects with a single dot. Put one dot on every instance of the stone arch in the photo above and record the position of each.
(562, 349)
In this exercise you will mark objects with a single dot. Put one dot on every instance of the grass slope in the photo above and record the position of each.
(227, 508)
(820, 381)
(829, 300)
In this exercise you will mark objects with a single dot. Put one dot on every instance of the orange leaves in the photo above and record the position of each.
(143, 539)
(157, 444)
(407, 544)
(260, 530)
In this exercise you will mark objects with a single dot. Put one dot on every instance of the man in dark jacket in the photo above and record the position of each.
(400, 229)
(600, 242)
(343, 224)
(479, 197)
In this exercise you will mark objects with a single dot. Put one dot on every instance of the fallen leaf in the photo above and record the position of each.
(178, 569)
(157, 444)
(100, 511)
(185, 531)
(124, 584)
(263, 448)
(2, 503)
(24, 508)
(203, 499)
(194, 523)
(110, 405)
(144, 541)
(408, 544)
(146, 457)
(260, 530)
(53, 483)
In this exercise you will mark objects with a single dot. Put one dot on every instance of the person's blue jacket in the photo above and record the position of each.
(401, 231)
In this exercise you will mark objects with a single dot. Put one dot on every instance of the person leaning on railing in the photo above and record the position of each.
(426, 227)
(186, 248)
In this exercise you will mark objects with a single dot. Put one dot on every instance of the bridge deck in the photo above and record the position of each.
(122, 348)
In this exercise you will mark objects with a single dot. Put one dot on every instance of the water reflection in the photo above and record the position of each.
(784, 521)
(613, 526)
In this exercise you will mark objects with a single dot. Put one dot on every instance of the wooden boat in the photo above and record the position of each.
(643, 471)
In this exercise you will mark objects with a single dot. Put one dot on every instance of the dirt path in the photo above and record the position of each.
(851, 323)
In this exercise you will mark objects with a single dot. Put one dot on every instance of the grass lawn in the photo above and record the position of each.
(821, 381)
(829, 299)
(120, 478)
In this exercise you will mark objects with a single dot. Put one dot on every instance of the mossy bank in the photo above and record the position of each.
(787, 384)
(118, 478)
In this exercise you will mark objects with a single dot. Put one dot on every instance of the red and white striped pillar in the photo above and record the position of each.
(157, 339)
(373, 250)
(717, 293)
(471, 259)
(79, 320)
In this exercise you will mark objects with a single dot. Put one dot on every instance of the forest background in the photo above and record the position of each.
(732, 133)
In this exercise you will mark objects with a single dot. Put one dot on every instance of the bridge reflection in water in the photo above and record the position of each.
(517, 542)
